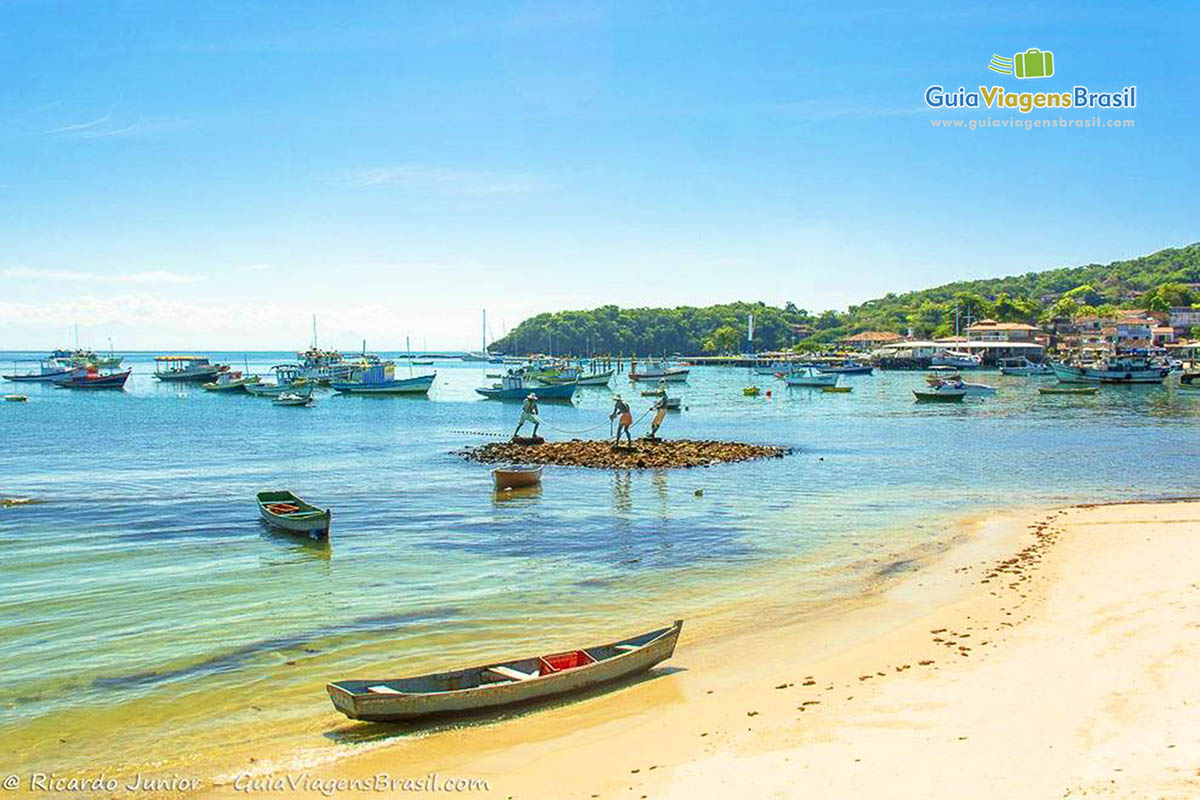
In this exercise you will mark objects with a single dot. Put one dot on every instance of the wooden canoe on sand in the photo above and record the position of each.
(503, 683)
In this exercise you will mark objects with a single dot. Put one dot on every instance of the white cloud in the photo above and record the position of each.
(104, 127)
(146, 277)
(442, 180)
(82, 126)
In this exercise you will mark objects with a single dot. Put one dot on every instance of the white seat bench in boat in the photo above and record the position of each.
(381, 689)
(627, 647)
(512, 674)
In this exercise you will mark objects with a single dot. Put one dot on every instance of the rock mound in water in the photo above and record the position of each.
(645, 453)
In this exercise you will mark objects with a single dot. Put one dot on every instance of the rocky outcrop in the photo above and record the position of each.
(645, 453)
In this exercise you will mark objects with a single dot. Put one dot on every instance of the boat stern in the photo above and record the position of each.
(343, 700)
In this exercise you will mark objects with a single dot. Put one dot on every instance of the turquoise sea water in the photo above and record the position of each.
(142, 596)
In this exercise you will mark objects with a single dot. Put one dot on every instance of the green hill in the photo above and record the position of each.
(1158, 281)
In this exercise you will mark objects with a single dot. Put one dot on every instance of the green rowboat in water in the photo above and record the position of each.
(287, 512)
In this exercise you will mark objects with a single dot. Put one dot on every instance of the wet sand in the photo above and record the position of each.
(1049, 655)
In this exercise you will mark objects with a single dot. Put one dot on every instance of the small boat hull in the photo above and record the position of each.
(237, 385)
(199, 375)
(563, 391)
(418, 385)
(114, 381)
(504, 684)
(837, 389)
(516, 477)
(855, 369)
(942, 396)
(1068, 373)
(305, 520)
(293, 400)
(811, 380)
(15, 398)
(676, 375)
(597, 379)
(43, 377)
(1068, 389)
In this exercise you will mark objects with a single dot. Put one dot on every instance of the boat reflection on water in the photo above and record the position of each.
(526, 494)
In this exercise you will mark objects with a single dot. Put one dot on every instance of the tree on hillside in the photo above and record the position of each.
(1168, 295)
(725, 339)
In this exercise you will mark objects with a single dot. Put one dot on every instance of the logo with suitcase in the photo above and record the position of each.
(1033, 63)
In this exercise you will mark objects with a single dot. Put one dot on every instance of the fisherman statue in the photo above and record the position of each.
(624, 419)
(660, 410)
(529, 413)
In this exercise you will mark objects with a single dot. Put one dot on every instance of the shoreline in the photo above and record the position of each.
(886, 681)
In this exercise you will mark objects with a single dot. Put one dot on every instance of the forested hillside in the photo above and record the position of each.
(1158, 281)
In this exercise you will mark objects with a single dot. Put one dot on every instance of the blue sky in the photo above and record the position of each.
(208, 175)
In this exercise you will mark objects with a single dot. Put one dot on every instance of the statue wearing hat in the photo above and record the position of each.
(625, 421)
(529, 413)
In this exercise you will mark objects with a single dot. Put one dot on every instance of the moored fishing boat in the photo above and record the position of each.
(503, 683)
(848, 367)
(186, 369)
(516, 477)
(381, 379)
(956, 359)
(1023, 366)
(49, 370)
(955, 381)
(660, 371)
(231, 381)
(287, 379)
(809, 376)
(93, 378)
(1126, 368)
(579, 378)
(512, 387)
(773, 368)
(284, 510)
(294, 398)
(940, 394)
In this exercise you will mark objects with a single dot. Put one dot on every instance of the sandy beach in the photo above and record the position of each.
(1045, 655)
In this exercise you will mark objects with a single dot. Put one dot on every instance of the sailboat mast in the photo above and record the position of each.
(483, 334)
(314, 339)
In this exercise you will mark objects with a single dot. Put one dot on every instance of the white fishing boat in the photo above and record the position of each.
(1023, 366)
(810, 376)
(1128, 368)
(661, 370)
(50, 370)
(773, 368)
(186, 369)
(956, 359)
(956, 382)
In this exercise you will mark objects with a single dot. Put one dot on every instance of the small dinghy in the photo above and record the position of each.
(1068, 389)
(293, 399)
(15, 398)
(504, 683)
(750, 391)
(286, 511)
(837, 389)
(940, 394)
(516, 477)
